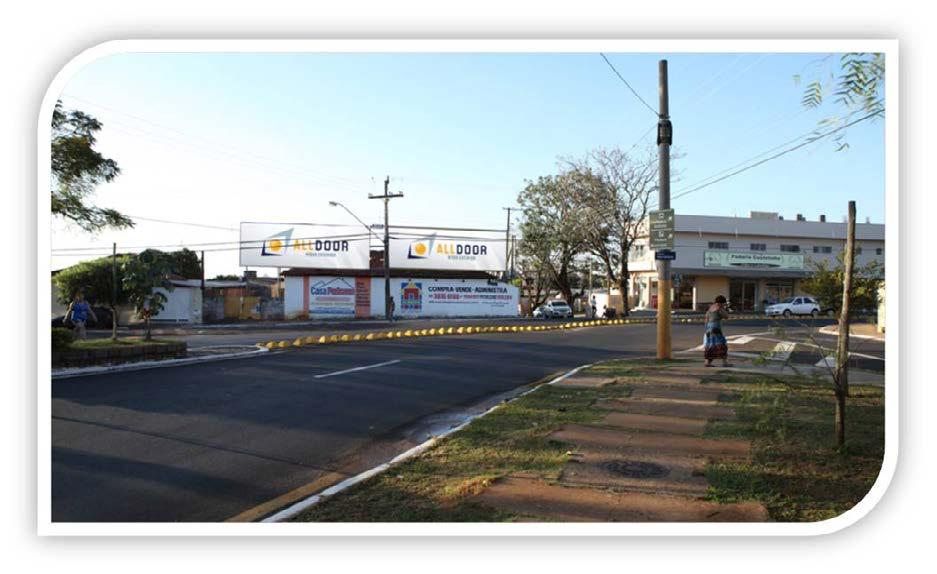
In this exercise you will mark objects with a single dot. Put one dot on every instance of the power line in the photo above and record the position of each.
(622, 78)
(206, 226)
(775, 156)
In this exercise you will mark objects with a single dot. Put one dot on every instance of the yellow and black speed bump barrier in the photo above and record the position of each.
(472, 330)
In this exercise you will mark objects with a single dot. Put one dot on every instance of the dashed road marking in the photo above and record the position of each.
(374, 366)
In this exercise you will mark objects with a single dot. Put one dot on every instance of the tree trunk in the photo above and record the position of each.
(840, 418)
(623, 282)
(842, 349)
(113, 323)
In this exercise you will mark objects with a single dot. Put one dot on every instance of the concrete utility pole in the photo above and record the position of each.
(664, 284)
(507, 245)
(386, 197)
(842, 349)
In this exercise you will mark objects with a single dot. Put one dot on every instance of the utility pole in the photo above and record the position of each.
(114, 292)
(841, 380)
(513, 254)
(507, 244)
(201, 287)
(386, 197)
(664, 139)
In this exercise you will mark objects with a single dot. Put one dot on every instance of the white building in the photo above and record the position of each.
(752, 261)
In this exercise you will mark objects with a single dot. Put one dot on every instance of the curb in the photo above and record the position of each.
(470, 330)
(296, 508)
(830, 330)
(142, 365)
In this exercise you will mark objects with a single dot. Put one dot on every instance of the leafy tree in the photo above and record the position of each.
(143, 276)
(825, 282)
(94, 278)
(612, 200)
(552, 234)
(77, 168)
(185, 263)
(857, 86)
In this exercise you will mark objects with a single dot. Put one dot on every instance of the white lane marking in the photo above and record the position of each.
(374, 366)
(741, 339)
(782, 351)
(828, 362)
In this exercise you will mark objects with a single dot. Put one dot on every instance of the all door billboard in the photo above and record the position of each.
(446, 249)
(304, 245)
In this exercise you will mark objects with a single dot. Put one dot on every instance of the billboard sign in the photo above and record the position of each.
(447, 250)
(304, 245)
(729, 259)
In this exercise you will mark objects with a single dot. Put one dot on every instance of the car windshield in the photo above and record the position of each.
(561, 305)
(788, 300)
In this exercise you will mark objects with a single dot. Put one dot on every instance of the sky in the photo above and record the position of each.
(216, 139)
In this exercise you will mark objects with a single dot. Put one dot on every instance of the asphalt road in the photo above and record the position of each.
(205, 442)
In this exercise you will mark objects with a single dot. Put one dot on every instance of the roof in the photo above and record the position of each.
(415, 273)
(774, 227)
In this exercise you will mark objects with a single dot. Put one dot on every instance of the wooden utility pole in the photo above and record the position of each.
(841, 380)
(386, 197)
(114, 292)
(664, 284)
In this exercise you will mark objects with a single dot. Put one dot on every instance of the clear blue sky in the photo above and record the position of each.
(221, 138)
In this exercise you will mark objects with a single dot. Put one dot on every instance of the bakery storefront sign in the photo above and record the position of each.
(743, 260)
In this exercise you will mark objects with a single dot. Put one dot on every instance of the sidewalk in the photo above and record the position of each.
(858, 330)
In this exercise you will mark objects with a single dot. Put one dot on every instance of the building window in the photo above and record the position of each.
(636, 252)
(790, 248)
(759, 247)
(822, 249)
(718, 244)
(879, 250)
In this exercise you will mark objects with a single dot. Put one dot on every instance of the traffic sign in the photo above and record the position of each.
(661, 230)
(665, 255)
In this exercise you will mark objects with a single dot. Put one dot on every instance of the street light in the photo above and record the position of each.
(351, 213)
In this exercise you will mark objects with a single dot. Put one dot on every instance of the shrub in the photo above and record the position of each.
(61, 338)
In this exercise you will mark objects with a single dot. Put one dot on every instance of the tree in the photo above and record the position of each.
(185, 263)
(534, 281)
(857, 87)
(77, 168)
(825, 282)
(94, 278)
(552, 235)
(144, 276)
(612, 204)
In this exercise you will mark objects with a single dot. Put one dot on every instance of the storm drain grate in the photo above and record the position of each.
(635, 469)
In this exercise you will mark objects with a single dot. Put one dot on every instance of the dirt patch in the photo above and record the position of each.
(677, 393)
(539, 501)
(638, 472)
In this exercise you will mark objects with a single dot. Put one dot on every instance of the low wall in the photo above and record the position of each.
(118, 354)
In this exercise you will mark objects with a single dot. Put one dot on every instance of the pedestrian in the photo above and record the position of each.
(393, 306)
(593, 306)
(78, 313)
(714, 342)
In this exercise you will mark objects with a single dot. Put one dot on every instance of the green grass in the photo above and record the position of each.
(439, 485)
(125, 342)
(796, 470)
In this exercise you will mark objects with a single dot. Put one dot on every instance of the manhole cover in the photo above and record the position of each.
(635, 468)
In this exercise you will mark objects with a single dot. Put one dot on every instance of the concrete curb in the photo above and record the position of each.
(142, 365)
(834, 330)
(296, 508)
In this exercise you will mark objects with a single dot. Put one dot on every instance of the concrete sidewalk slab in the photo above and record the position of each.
(549, 502)
(670, 408)
(650, 473)
(674, 425)
(621, 441)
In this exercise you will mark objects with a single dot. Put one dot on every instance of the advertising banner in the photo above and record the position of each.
(304, 245)
(729, 259)
(456, 298)
(447, 249)
(362, 297)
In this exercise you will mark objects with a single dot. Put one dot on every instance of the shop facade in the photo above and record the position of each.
(754, 261)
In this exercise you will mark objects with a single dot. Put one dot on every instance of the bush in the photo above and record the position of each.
(61, 338)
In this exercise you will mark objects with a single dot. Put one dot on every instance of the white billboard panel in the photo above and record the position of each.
(304, 245)
(446, 249)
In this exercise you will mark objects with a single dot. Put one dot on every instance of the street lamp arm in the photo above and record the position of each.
(368, 227)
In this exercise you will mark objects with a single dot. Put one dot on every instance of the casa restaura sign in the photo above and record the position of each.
(735, 260)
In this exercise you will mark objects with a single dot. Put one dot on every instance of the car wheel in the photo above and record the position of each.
(815, 313)
(787, 313)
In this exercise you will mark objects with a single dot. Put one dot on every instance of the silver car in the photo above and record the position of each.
(553, 309)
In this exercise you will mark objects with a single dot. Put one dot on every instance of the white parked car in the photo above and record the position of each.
(552, 309)
(795, 306)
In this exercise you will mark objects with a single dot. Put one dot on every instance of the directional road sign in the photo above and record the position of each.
(661, 230)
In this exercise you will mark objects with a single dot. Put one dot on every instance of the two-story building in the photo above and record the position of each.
(753, 261)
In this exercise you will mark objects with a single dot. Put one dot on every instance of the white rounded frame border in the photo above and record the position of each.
(46, 527)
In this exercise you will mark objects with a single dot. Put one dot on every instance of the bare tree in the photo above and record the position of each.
(612, 203)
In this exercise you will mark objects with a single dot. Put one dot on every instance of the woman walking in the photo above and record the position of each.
(714, 344)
